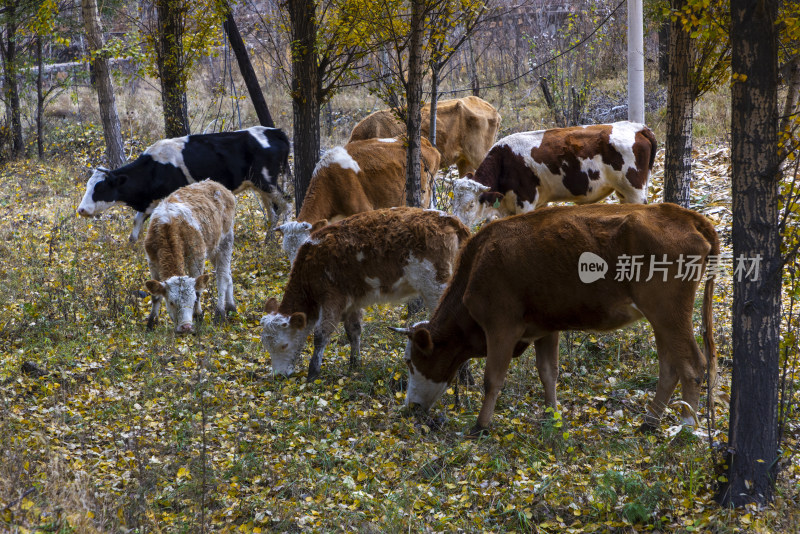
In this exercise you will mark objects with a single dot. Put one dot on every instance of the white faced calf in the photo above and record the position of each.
(387, 255)
(192, 224)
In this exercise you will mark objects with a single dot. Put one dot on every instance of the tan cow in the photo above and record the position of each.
(192, 224)
(360, 176)
(465, 130)
(387, 255)
(524, 279)
(580, 164)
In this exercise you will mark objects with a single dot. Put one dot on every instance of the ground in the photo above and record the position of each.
(106, 427)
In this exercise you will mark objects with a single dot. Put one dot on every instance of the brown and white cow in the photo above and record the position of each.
(360, 176)
(387, 255)
(524, 279)
(192, 224)
(581, 164)
(465, 130)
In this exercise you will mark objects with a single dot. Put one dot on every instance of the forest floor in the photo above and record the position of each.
(106, 427)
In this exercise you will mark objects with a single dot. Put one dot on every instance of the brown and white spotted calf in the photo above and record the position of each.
(387, 255)
(518, 281)
(582, 164)
(192, 224)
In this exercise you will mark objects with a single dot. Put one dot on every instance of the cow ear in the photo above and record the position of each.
(201, 282)
(271, 306)
(298, 320)
(280, 229)
(469, 176)
(319, 224)
(154, 287)
(421, 338)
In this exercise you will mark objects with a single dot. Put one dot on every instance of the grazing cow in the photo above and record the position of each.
(360, 176)
(252, 158)
(523, 279)
(465, 130)
(386, 255)
(581, 164)
(192, 224)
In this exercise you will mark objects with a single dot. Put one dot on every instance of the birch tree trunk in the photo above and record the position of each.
(414, 98)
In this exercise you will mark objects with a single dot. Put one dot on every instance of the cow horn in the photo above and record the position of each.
(406, 331)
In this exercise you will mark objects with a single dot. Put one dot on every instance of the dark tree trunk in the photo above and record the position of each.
(663, 53)
(434, 103)
(248, 73)
(112, 131)
(473, 70)
(306, 100)
(39, 99)
(680, 112)
(171, 67)
(414, 98)
(753, 432)
(11, 84)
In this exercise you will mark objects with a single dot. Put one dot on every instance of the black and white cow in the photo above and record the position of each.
(252, 158)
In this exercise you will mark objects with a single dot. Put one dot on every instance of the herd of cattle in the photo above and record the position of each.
(515, 282)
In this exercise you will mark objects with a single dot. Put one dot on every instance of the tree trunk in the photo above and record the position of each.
(414, 99)
(112, 131)
(473, 70)
(663, 52)
(305, 95)
(12, 83)
(171, 67)
(39, 99)
(753, 432)
(434, 103)
(680, 112)
(248, 73)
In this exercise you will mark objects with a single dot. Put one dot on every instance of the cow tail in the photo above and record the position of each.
(708, 319)
(648, 133)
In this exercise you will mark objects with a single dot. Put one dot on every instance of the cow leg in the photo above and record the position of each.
(154, 299)
(138, 222)
(679, 359)
(547, 365)
(222, 264)
(352, 327)
(500, 345)
(322, 335)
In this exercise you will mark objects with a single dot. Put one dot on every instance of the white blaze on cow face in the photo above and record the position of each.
(465, 200)
(181, 296)
(89, 207)
(170, 152)
(284, 337)
(339, 156)
(421, 390)
(294, 235)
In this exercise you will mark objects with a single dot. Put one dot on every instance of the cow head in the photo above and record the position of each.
(182, 297)
(284, 337)
(466, 199)
(101, 192)
(295, 233)
(419, 356)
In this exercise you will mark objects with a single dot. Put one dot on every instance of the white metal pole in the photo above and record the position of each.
(635, 61)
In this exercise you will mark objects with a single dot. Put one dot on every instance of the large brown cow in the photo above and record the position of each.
(387, 255)
(581, 164)
(524, 279)
(360, 176)
(465, 130)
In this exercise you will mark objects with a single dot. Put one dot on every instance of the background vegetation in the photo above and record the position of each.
(105, 427)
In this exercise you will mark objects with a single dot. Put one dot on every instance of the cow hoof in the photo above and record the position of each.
(151, 325)
(647, 428)
(312, 375)
(219, 317)
(477, 432)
